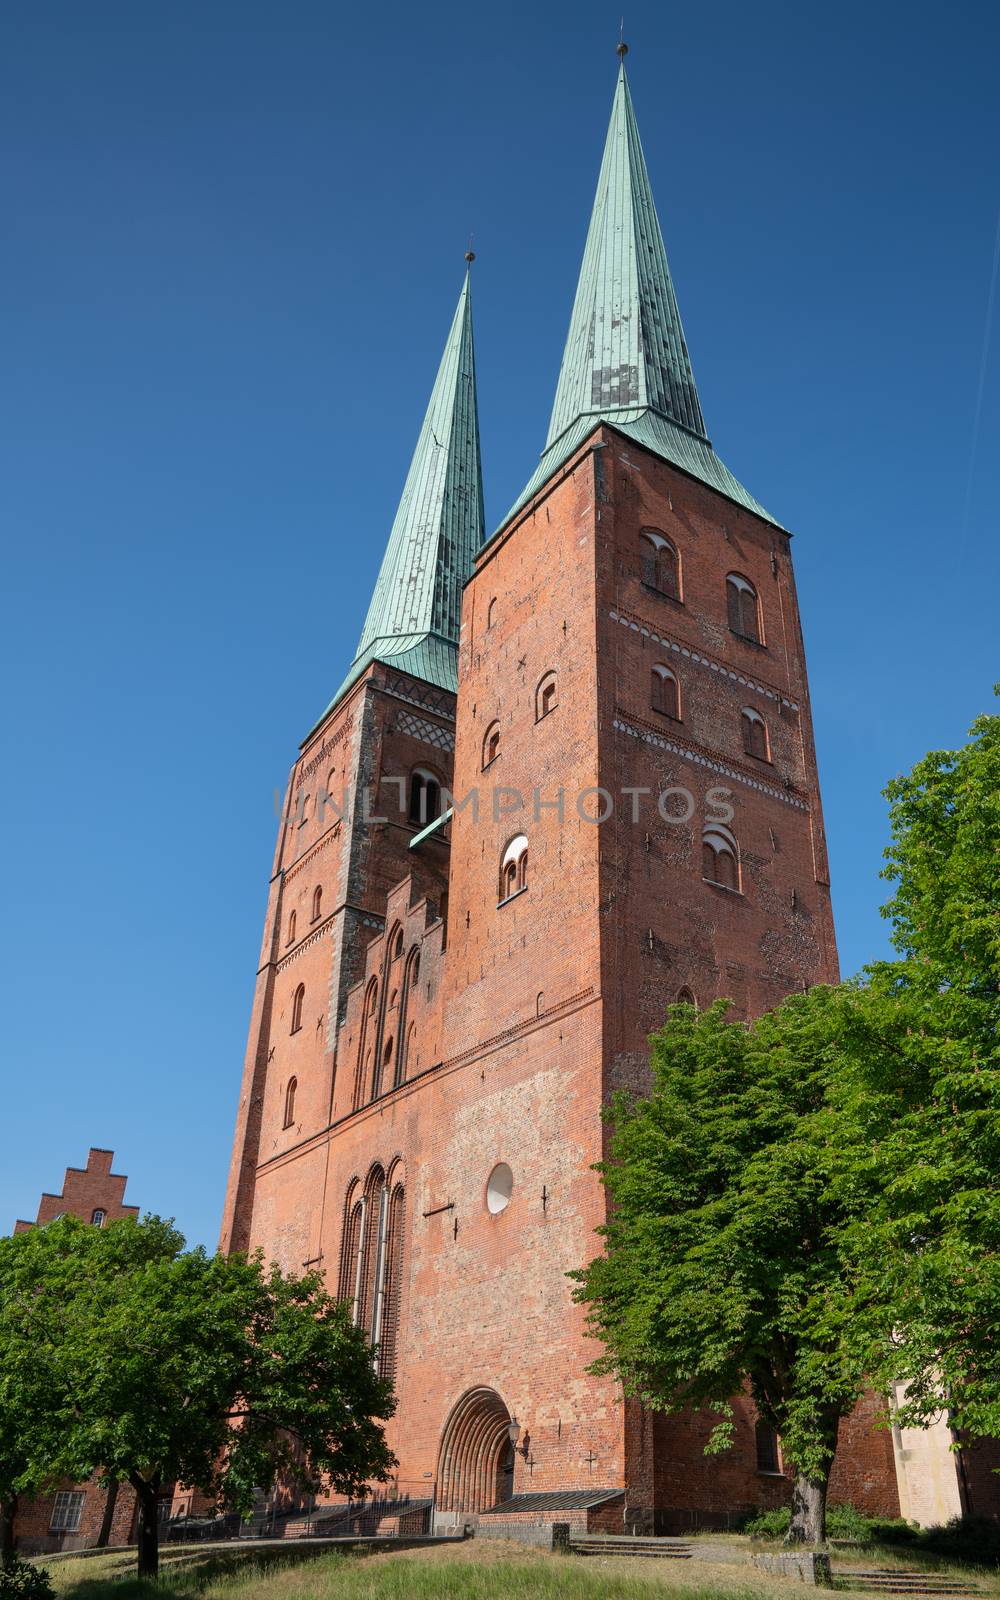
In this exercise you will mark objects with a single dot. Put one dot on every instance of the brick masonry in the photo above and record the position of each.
(85, 1191)
(526, 1014)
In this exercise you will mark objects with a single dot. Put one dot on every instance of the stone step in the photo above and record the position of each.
(622, 1545)
(655, 1540)
(915, 1583)
(946, 1591)
(906, 1575)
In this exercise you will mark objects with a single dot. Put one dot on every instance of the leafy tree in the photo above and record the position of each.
(926, 1093)
(723, 1265)
(173, 1365)
(29, 1399)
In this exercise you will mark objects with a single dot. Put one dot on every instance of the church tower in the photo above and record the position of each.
(334, 864)
(593, 791)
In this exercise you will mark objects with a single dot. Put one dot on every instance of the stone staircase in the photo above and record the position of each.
(903, 1581)
(623, 1544)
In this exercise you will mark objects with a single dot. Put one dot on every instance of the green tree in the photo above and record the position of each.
(29, 1400)
(176, 1366)
(925, 1091)
(722, 1264)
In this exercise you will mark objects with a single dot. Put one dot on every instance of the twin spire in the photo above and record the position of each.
(625, 363)
(416, 611)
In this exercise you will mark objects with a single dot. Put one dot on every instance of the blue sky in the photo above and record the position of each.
(232, 243)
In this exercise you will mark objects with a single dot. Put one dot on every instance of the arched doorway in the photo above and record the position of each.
(476, 1463)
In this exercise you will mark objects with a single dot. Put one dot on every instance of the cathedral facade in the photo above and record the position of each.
(568, 779)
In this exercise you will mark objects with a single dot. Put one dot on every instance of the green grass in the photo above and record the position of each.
(465, 1574)
(477, 1570)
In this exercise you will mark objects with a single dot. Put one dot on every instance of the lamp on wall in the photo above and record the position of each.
(513, 1431)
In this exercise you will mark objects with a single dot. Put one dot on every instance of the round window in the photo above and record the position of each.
(499, 1188)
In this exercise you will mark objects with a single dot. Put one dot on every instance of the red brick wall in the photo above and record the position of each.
(86, 1190)
(527, 1013)
(864, 1473)
(33, 1533)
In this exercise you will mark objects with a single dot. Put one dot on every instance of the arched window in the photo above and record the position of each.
(389, 1289)
(405, 1027)
(290, 1103)
(767, 1445)
(425, 797)
(317, 902)
(298, 1000)
(546, 696)
(371, 1262)
(397, 945)
(491, 612)
(665, 692)
(660, 563)
(720, 857)
(291, 928)
(514, 868)
(350, 1244)
(744, 607)
(369, 1023)
(755, 741)
(98, 1218)
(491, 744)
(686, 998)
(381, 1073)
(368, 1302)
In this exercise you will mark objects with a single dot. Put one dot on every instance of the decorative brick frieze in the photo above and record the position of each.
(629, 619)
(630, 724)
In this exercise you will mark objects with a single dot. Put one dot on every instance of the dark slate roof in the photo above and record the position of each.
(557, 1500)
(626, 359)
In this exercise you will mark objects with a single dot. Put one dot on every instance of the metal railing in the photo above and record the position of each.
(397, 1510)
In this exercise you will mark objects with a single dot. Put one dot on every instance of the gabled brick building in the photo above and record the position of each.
(459, 964)
(93, 1193)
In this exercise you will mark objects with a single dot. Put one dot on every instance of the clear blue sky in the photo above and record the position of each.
(232, 240)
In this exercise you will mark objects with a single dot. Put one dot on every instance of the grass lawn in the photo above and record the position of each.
(477, 1570)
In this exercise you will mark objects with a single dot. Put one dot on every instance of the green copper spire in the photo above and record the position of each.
(415, 613)
(626, 361)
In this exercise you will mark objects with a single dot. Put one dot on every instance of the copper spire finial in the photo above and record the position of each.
(621, 49)
(470, 254)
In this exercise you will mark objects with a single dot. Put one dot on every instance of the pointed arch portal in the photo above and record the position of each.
(476, 1463)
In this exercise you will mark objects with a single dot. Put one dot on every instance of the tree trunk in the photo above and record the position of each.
(109, 1513)
(147, 1525)
(8, 1511)
(808, 1525)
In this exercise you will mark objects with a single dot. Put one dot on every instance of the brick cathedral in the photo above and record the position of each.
(460, 964)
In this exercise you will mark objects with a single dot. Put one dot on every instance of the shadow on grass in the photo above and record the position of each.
(184, 1575)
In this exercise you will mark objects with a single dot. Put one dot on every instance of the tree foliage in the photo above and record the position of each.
(813, 1199)
(723, 1263)
(927, 1094)
(169, 1365)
